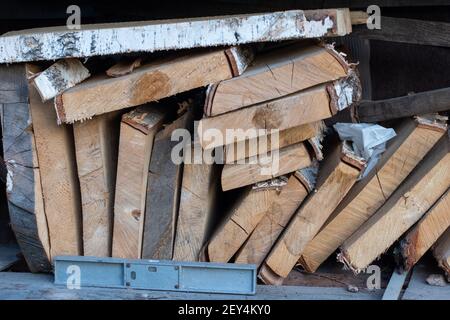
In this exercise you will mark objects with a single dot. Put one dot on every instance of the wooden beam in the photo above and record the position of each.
(426, 232)
(59, 77)
(163, 193)
(96, 147)
(153, 81)
(23, 180)
(423, 187)
(433, 33)
(60, 186)
(265, 234)
(275, 74)
(253, 204)
(257, 169)
(196, 214)
(148, 36)
(441, 251)
(358, 17)
(310, 105)
(413, 141)
(337, 175)
(407, 106)
(137, 131)
(262, 145)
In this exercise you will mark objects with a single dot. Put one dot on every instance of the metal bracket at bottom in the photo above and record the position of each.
(156, 275)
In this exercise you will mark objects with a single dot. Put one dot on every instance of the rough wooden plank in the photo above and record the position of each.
(407, 106)
(418, 289)
(59, 77)
(336, 176)
(257, 169)
(163, 194)
(96, 146)
(60, 186)
(265, 234)
(433, 33)
(441, 251)
(413, 141)
(199, 190)
(310, 105)
(148, 36)
(23, 188)
(153, 81)
(15, 285)
(263, 145)
(275, 74)
(253, 204)
(137, 131)
(421, 189)
(426, 232)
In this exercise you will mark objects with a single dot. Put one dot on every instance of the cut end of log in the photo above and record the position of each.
(344, 93)
(433, 121)
(267, 276)
(239, 59)
(308, 176)
(349, 156)
(143, 118)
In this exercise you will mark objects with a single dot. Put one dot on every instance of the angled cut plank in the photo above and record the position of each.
(407, 106)
(60, 187)
(59, 77)
(148, 36)
(163, 194)
(413, 141)
(96, 145)
(275, 74)
(137, 131)
(23, 187)
(199, 190)
(153, 81)
(263, 144)
(253, 204)
(273, 223)
(257, 169)
(336, 177)
(433, 33)
(426, 232)
(441, 251)
(420, 190)
(310, 105)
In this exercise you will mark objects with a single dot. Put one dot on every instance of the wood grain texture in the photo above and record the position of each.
(150, 82)
(441, 251)
(96, 147)
(426, 232)
(257, 169)
(407, 106)
(263, 145)
(163, 194)
(276, 74)
(265, 234)
(433, 33)
(420, 190)
(335, 179)
(199, 190)
(148, 36)
(60, 76)
(23, 188)
(137, 132)
(254, 203)
(412, 143)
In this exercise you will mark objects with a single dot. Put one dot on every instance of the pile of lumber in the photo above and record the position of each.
(222, 154)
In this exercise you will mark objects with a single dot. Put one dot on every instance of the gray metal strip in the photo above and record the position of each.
(155, 275)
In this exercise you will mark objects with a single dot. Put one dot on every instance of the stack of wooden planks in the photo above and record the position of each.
(218, 154)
